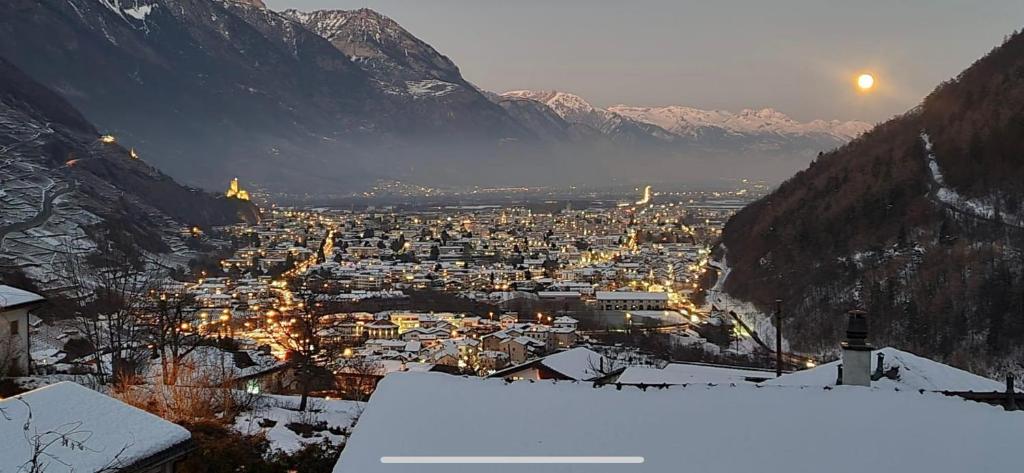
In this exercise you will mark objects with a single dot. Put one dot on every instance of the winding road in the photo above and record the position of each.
(40, 218)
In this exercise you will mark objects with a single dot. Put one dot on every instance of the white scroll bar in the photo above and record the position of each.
(421, 460)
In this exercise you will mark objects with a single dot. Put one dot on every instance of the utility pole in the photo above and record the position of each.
(778, 337)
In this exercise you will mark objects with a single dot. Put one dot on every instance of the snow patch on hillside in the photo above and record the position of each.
(429, 88)
(720, 301)
(980, 208)
(139, 12)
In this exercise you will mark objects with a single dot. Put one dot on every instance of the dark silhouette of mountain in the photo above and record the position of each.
(918, 221)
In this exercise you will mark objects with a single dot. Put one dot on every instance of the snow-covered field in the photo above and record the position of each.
(274, 413)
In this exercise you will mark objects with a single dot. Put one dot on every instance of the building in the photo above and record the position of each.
(577, 364)
(631, 300)
(101, 434)
(381, 329)
(15, 340)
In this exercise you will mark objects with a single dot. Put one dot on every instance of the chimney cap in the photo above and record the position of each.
(857, 329)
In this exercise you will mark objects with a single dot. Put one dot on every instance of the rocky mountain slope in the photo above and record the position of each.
(917, 221)
(210, 89)
(63, 189)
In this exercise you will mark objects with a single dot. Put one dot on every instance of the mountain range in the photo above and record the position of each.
(329, 101)
(919, 221)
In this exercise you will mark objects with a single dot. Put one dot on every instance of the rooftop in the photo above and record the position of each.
(112, 434)
(710, 429)
(12, 297)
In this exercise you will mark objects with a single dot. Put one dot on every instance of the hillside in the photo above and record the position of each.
(64, 190)
(916, 221)
(210, 89)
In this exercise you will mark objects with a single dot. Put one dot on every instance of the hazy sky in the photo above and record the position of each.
(800, 57)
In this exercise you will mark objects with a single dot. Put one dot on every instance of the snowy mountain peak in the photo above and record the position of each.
(691, 122)
(253, 3)
(570, 103)
(378, 44)
(688, 121)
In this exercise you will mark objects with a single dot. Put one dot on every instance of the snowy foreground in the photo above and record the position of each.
(273, 415)
(915, 373)
(78, 429)
(700, 428)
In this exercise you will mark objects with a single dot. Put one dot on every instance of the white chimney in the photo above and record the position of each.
(857, 351)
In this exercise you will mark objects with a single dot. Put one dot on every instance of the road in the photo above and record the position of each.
(40, 218)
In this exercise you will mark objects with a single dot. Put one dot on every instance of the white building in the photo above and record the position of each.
(631, 300)
(14, 329)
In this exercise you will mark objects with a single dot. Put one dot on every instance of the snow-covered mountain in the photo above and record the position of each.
(692, 123)
(689, 121)
(574, 109)
(379, 44)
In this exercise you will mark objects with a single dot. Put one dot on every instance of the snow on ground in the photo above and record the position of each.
(692, 373)
(110, 432)
(139, 12)
(273, 414)
(429, 88)
(755, 319)
(975, 207)
(915, 373)
(719, 429)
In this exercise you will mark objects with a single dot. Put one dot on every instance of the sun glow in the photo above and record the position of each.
(865, 82)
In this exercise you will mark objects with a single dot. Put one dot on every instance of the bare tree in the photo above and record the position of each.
(172, 330)
(111, 286)
(306, 342)
(359, 377)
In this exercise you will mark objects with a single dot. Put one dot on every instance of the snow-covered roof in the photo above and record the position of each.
(632, 295)
(11, 297)
(578, 363)
(710, 429)
(112, 433)
(686, 373)
(915, 373)
(581, 364)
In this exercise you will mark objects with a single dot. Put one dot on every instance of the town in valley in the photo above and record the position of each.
(385, 236)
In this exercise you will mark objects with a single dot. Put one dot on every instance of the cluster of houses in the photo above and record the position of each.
(940, 418)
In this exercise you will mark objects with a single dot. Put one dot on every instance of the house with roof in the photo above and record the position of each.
(82, 431)
(15, 340)
(631, 300)
(381, 329)
(576, 364)
(521, 348)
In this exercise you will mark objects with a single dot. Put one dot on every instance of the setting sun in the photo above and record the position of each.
(865, 82)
